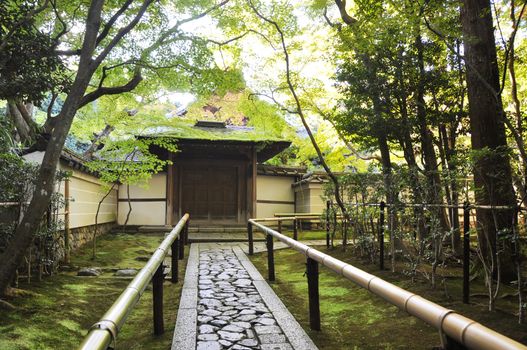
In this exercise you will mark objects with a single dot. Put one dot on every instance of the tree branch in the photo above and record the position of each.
(114, 90)
(275, 101)
(202, 14)
(343, 138)
(64, 29)
(249, 31)
(338, 26)
(108, 26)
(121, 33)
(96, 141)
(341, 4)
(27, 117)
(300, 112)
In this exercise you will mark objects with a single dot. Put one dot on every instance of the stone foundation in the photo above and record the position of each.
(79, 236)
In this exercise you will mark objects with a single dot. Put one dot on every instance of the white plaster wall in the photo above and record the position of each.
(155, 188)
(267, 210)
(316, 203)
(276, 188)
(143, 213)
(85, 193)
(34, 157)
(302, 199)
(309, 198)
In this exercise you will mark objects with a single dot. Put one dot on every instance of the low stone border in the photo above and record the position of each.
(185, 330)
(296, 335)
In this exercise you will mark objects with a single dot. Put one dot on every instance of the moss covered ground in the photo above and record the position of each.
(56, 312)
(353, 318)
(304, 234)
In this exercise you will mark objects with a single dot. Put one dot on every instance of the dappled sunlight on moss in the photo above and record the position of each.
(353, 318)
(61, 308)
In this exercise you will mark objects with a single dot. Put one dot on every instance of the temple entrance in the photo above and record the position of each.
(210, 193)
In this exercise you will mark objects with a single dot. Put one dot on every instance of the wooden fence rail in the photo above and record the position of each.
(103, 333)
(456, 331)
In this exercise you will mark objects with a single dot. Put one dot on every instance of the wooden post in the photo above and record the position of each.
(67, 220)
(250, 238)
(466, 252)
(314, 298)
(381, 236)
(187, 224)
(254, 188)
(174, 258)
(279, 225)
(295, 229)
(448, 343)
(170, 191)
(270, 257)
(327, 224)
(157, 294)
(181, 246)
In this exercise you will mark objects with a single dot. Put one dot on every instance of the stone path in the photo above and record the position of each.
(226, 304)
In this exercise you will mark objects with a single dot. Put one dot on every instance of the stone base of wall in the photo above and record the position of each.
(80, 236)
(47, 254)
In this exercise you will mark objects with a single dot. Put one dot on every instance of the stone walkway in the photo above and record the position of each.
(226, 304)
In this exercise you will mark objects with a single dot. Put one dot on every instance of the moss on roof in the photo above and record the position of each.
(185, 130)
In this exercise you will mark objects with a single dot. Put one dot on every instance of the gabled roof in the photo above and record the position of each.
(188, 130)
(281, 170)
(193, 135)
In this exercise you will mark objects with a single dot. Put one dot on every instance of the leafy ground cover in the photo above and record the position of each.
(352, 318)
(56, 312)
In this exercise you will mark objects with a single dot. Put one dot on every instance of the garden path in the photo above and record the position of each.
(227, 304)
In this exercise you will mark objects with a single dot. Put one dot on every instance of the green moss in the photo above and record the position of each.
(118, 251)
(184, 129)
(353, 318)
(305, 235)
(61, 308)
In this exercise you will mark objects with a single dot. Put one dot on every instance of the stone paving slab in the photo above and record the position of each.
(233, 307)
(185, 330)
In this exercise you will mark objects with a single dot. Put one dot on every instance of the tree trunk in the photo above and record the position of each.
(14, 253)
(492, 173)
(433, 193)
(405, 141)
(23, 130)
(129, 207)
(96, 141)
(448, 143)
(522, 185)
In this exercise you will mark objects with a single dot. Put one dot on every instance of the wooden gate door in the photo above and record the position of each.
(210, 193)
(194, 196)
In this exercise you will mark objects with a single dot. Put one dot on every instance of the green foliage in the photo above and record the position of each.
(29, 65)
(131, 161)
(16, 178)
(241, 109)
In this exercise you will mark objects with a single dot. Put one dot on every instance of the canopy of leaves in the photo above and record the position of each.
(29, 65)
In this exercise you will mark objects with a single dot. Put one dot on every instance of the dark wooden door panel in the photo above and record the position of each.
(210, 193)
(194, 193)
(223, 193)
